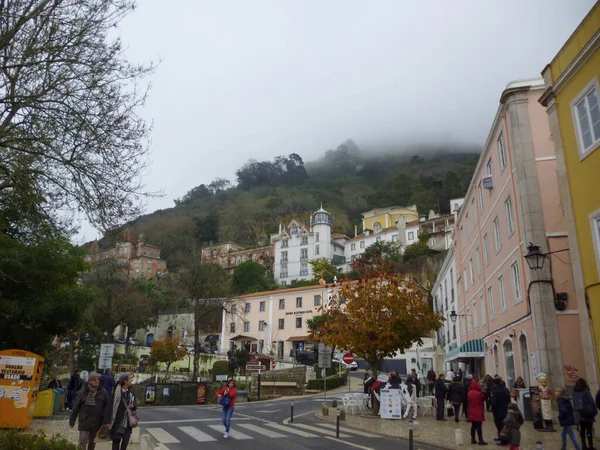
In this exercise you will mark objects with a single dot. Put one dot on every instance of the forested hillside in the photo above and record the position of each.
(347, 180)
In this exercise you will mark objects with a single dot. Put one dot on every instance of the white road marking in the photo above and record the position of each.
(197, 434)
(260, 430)
(349, 443)
(268, 411)
(188, 420)
(349, 430)
(318, 430)
(232, 433)
(286, 421)
(162, 436)
(289, 429)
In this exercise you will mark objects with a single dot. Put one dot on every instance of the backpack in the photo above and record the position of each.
(585, 408)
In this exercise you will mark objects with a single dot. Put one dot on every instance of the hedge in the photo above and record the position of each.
(332, 383)
(220, 367)
(16, 440)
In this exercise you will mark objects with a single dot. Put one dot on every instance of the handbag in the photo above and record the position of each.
(225, 401)
(505, 433)
(132, 417)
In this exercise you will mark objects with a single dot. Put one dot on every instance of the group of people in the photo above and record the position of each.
(100, 407)
(394, 380)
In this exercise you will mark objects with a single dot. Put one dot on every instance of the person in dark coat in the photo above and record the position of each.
(123, 399)
(490, 386)
(566, 417)
(55, 383)
(90, 410)
(368, 381)
(440, 396)
(500, 402)
(107, 381)
(414, 381)
(466, 387)
(456, 396)
(74, 385)
(431, 380)
(514, 420)
(476, 412)
(586, 409)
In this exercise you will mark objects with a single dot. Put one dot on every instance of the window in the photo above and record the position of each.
(298, 322)
(316, 249)
(304, 254)
(298, 302)
(462, 237)
(497, 242)
(486, 249)
(501, 151)
(261, 325)
(378, 239)
(490, 169)
(247, 308)
(284, 243)
(465, 280)
(480, 193)
(482, 303)
(281, 324)
(232, 327)
(467, 225)
(362, 244)
(586, 112)
(246, 327)
(376, 227)
(491, 302)
(282, 303)
(516, 281)
(501, 292)
(469, 324)
(452, 285)
(446, 291)
(303, 269)
(316, 237)
(474, 212)
(411, 235)
(233, 310)
(317, 300)
(471, 271)
(352, 247)
(262, 307)
(394, 238)
(284, 257)
(475, 321)
(304, 240)
(510, 218)
(596, 233)
(478, 259)
(284, 271)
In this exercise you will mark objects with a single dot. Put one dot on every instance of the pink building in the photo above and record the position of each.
(506, 309)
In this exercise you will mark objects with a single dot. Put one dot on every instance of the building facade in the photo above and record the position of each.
(230, 255)
(573, 107)
(509, 318)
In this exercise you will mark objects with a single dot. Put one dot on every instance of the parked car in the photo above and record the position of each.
(352, 366)
(133, 341)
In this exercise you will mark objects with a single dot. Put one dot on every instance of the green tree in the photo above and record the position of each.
(425, 200)
(249, 277)
(404, 185)
(167, 351)
(322, 268)
(418, 250)
(238, 358)
(386, 251)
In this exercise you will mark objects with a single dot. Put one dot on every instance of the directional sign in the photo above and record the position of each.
(348, 358)
(251, 367)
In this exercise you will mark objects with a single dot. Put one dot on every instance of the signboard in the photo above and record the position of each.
(201, 393)
(16, 368)
(324, 361)
(348, 358)
(221, 377)
(253, 367)
(150, 394)
(488, 182)
(166, 392)
(536, 408)
(106, 356)
(534, 369)
(391, 404)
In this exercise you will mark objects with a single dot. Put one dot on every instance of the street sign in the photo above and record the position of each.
(252, 367)
(221, 377)
(348, 358)
(107, 352)
(324, 361)
(273, 364)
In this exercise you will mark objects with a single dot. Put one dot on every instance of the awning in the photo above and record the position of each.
(470, 349)
(297, 339)
(242, 337)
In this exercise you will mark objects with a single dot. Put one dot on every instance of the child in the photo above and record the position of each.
(566, 417)
(513, 421)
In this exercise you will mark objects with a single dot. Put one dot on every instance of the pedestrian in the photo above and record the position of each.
(74, 385)
(107, 381)
(513, 422)
(226, 398)
(414, 380)
(566, 417)
(500, 402)
(456, 396)
(441, 392)
(90, 411)
(460, 374)
(431, 380)
(123, 400)
(490, 386)
(466, 387)
(367, 382)
(55, 383)
(476, 412)
(586, 409)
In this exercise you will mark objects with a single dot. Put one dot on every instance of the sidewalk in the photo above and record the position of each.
(442, 434)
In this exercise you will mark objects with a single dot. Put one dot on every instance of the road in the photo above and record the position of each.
(258, 425)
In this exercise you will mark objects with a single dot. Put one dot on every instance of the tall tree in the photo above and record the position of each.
(322, 268)
(250, 277)
(167, 351)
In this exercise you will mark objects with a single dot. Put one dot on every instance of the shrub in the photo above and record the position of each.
(220, 368)
(332, 383)
(16, 440)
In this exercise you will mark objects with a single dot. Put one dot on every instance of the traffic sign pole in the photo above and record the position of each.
(258, 394)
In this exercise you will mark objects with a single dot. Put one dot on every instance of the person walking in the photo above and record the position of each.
(566, 417)
(73, 386)
(466, 387)
(90, 410)
(107, 381)
(586, 409)
(226, 398)
(431, 380)
(500, 402)
(123, 399)
(456, 396)
(441, 392)
(476, 412)
(514, 420)
(366, 383)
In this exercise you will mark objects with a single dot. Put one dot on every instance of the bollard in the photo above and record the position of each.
(337, 424)
(410, 435)
(538, 445)
(292, 414)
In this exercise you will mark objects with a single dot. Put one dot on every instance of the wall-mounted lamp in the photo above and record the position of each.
(454, 316)
(535, 260)
(513, 334)
(496, 341)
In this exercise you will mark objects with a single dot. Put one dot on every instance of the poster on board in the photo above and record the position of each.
(391, 404)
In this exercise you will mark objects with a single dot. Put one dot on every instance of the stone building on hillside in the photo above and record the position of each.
(230, 255)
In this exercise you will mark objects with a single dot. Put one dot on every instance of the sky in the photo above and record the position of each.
(243, 79)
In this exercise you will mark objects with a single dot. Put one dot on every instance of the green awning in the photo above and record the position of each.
(470, 349)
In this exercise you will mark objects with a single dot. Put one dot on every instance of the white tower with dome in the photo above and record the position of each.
(321, 224)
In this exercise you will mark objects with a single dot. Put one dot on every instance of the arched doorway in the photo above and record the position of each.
(509, 364)
(524, 359)
(496, 362)
(149, 339)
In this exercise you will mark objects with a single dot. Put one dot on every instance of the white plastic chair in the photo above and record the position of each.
(427, 405)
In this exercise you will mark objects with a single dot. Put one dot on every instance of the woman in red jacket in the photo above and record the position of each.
(226, 398)
(475, 401)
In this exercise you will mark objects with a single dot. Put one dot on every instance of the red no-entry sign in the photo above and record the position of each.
(273, 364)
(348, 358)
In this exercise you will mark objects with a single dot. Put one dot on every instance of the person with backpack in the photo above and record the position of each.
(456, 396)
(566, 417)
(226, 398)
(586, 410)
(512, 424)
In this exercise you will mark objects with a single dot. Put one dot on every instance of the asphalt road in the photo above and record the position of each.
(258, 425)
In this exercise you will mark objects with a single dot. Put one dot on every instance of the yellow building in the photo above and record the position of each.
(572, 100)
(380, 218)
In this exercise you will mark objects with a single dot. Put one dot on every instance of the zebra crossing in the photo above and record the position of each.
(247, 431)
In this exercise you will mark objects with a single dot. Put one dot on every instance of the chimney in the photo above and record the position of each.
(355, 230)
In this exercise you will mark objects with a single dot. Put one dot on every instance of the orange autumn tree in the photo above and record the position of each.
(376, 317)
(167, 351)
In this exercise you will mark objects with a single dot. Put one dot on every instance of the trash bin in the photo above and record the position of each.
(527, 412)
(59, 401)
(44, 404)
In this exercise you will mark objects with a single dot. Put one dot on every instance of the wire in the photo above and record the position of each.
(558, 257)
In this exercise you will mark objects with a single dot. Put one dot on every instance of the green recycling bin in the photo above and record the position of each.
(59, 401)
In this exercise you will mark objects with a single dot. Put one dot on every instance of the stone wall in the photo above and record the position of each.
(294, 374)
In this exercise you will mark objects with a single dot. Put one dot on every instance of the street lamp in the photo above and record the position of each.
(454, 316)
(535, 260)
(534, 257)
